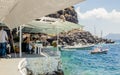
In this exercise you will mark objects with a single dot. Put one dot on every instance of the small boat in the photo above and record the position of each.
(99, 51)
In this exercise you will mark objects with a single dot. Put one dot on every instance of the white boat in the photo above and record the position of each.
(99, 51)
(79, 46)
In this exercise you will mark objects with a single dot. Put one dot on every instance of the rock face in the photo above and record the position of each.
(84, 37)
(76, 38)
(67, 14)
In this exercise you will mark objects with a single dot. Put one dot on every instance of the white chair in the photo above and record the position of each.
(38, 48)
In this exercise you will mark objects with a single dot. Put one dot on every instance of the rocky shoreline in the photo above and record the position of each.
(59, 72)
(82, 37)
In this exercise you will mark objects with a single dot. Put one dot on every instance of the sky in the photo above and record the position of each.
(99, 16)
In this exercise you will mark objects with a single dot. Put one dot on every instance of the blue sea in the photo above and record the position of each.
(81, 62)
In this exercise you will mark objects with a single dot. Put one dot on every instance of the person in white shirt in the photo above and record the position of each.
(3, 41)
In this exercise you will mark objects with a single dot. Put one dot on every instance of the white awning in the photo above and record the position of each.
(50, 28)
(17, 12)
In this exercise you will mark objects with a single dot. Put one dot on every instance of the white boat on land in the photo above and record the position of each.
(99, 51)
(79, 46)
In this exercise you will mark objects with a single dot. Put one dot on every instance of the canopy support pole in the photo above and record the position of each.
(20, 42)
(57, 41)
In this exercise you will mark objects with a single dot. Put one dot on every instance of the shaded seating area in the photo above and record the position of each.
(36, 35)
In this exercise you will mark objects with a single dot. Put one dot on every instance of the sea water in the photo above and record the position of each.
(81, 62)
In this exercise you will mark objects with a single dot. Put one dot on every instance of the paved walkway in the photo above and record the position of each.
(9, 66)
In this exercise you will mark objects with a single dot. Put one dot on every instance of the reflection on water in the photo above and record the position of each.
(81, 62)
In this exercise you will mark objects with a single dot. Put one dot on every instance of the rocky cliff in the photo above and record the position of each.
(84, 37)
(68, 14)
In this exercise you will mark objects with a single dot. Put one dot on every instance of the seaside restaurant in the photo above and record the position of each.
(17, 13)
(31, 34)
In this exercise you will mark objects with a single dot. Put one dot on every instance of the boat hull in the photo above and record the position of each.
(84, 47)
(99, 52)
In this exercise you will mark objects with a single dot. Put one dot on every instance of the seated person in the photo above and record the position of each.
(29, 45)
(97, 49)
(54, 43)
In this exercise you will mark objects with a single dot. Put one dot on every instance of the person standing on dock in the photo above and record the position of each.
(3, 42)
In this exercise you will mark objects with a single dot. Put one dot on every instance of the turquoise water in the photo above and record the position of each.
(81, 62)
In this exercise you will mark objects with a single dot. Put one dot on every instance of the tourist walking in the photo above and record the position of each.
(3, 42)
